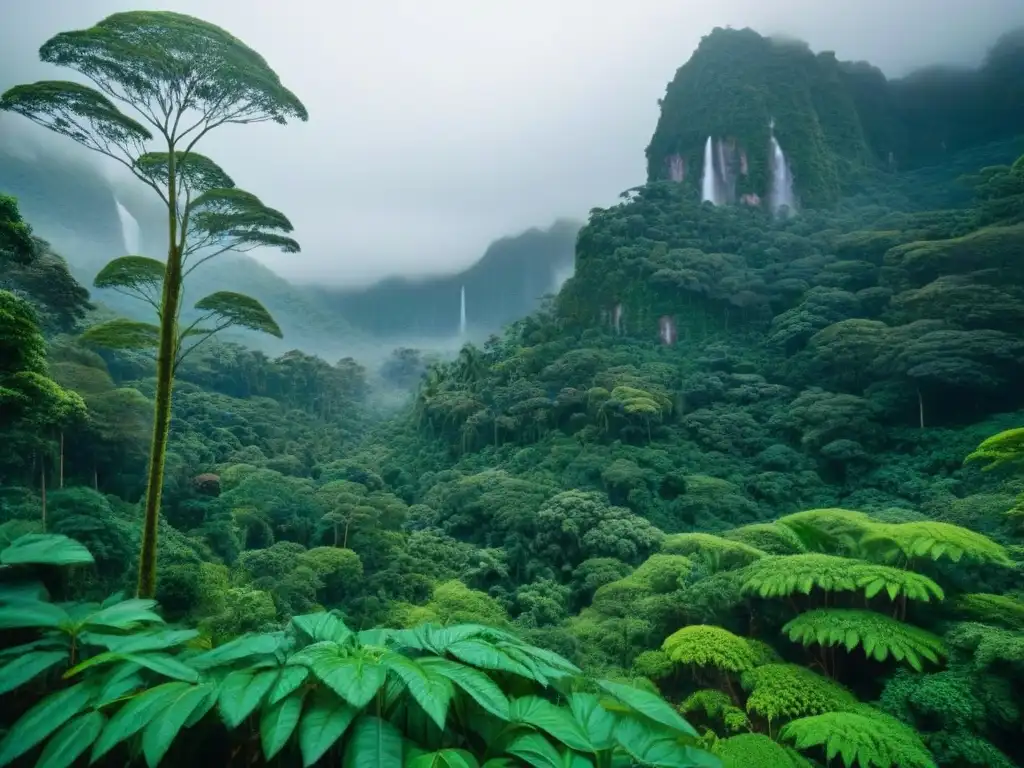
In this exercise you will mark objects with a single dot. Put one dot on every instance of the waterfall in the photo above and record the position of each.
(462, 312)
(782, 178)
(129, 229)
(709, 184)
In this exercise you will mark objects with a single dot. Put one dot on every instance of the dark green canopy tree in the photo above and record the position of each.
(182, 77)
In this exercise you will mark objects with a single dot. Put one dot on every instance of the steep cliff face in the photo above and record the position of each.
(831, 118)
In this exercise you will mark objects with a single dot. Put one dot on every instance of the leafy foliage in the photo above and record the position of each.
(879, 636)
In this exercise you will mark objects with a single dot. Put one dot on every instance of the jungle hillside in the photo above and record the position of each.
(746, 491)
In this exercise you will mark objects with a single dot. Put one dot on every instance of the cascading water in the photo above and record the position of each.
(782, 178)
(129, 229)
(709, 183)
(462, 312)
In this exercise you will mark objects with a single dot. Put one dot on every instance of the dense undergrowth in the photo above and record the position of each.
(780, 524)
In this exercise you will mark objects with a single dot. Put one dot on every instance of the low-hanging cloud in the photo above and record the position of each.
(438, 127)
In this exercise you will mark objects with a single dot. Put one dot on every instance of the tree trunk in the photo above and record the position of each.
(62, 459)
(920, 407)
(164, 384)
(42, 485)
(95, 477)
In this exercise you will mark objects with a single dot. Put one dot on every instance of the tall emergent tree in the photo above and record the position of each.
(182, 77)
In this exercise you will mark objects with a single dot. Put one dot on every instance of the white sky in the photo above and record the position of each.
(436, 127)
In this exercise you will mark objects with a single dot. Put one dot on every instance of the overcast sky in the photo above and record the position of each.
(436, 127)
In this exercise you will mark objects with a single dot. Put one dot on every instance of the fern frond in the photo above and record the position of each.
(781, 576)
(755, 749)
(1001, 449)
(771, 538)
(726, 553)
(1001, 610)
(703, 645)
(716, 706)
(790, 690)
(880, 636)
(831, 529)
(864, 737)
(934, 540)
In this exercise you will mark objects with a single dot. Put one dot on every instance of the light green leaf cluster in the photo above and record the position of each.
(934, 540)
(703, 645)
(781, 576)
(716, 705)
(863, 737)
(778, 691)
(755, 749)
(723, 552)
(878, 635)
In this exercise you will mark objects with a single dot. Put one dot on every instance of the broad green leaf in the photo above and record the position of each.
(161, 731)
(43, 719)
(482, 654)
(204, 706)
(431, 637)
(26, 667)
(161, 663)
(289, 680)
(72, 740)
(355, 678)
(25, 614)
(323, 626)
(123, 679)
(159, 640)
(556, 721)
(653, 747)
(535, 750)
(23, 592)
(432, 692)
(649, 705)
(45, 549)
(444, 758)
(597, 722)
(126, 614)
(241, 692)
(136, 715)
(278, 722)
(479, 686)
(324, 722)
(374, 743)
(243, 647)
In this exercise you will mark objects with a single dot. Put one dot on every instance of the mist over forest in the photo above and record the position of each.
(482, 388)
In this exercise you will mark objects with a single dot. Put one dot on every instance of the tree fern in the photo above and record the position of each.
(748, 750)
(721, 552)
(702, 645)
(863, 737)
(831, 529)
(716, 707)
(1001, 610)
(771, 538)
(934, 540)
(879, 636)
(788, 690)
(1001, 449)
(780, 576)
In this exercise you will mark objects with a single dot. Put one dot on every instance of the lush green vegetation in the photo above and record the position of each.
(836, 120)
(790, 539)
